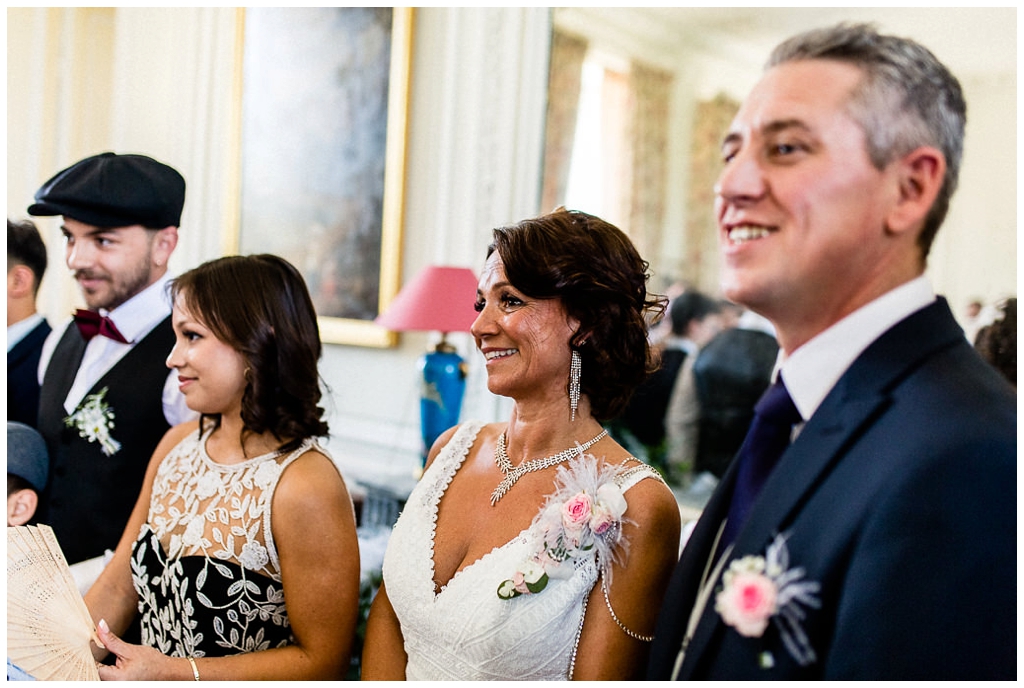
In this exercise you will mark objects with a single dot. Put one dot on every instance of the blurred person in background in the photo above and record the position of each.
(26, 328)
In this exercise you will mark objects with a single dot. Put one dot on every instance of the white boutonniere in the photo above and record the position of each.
(94, 420)
(584, 515)
(757, 590)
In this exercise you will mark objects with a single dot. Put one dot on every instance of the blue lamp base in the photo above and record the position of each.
(444, 383)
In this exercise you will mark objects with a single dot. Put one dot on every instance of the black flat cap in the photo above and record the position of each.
(110, 190)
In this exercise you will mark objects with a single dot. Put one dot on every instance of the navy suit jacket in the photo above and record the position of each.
(23, 376)
(899, 498)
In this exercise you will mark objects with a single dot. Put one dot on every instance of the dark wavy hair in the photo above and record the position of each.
(259, 305)
(601, 280)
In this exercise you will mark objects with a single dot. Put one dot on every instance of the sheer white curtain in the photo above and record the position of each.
(175, 93)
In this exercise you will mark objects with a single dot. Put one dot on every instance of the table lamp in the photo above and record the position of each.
(440, 298)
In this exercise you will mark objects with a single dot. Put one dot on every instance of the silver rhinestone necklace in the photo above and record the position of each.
(512, 474)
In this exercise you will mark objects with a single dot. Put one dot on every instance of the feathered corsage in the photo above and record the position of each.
(582, 516)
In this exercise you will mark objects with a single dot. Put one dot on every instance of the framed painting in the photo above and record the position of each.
(322, 120)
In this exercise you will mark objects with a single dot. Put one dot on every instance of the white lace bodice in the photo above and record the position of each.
(201, 507)
(465, 631)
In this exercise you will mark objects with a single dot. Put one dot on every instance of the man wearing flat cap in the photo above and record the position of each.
(106, 396)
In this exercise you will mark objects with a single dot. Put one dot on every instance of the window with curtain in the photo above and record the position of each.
(607, 138)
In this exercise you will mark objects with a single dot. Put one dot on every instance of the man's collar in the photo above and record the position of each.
(812, 370)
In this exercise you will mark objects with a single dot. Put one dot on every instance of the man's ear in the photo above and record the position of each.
(920, 174)
(21, 506)
(21, 281)
(163, 245)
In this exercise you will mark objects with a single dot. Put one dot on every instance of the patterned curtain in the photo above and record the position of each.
(652, 89)
(567, 53)
(711, 121)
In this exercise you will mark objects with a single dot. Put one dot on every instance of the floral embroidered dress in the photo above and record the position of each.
(204, 565)
(466, 631)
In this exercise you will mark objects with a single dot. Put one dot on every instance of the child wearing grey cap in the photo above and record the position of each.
(27, 466)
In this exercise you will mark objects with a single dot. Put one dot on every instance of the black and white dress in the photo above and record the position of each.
(204, 565)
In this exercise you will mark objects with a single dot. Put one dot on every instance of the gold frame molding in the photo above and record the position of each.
(349, 330)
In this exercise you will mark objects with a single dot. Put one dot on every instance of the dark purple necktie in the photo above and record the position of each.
(91, 323)
(768, 436)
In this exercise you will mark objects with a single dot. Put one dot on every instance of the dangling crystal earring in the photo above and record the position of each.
(574, 383)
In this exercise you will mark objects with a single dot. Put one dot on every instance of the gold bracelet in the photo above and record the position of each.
(195, 670)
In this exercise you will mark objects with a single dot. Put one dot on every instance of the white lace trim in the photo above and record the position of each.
(460, 443)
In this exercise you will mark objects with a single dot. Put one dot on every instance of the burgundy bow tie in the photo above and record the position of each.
(91, 323)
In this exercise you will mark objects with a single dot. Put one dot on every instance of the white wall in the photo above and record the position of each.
(975, 252)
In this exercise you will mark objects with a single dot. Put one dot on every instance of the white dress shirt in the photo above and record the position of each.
(813, 369)
(134, 319)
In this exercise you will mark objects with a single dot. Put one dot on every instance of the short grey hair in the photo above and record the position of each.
(907, 99)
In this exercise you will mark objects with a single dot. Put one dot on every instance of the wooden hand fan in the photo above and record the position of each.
(48, 624)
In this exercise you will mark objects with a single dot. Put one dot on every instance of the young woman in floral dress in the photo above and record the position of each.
(537, 548)
(241, 556)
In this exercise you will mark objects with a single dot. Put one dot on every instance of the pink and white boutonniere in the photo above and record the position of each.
(583, 516)
(757, 590)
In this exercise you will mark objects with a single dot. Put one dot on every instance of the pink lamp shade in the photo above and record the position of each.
(440, 298)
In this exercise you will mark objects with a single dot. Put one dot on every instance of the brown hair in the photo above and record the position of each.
(601, 280)
(259, 305)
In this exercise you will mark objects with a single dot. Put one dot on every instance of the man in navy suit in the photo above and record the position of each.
(26, 329)
(882, 545)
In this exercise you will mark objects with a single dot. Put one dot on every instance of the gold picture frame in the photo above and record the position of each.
(316, 117)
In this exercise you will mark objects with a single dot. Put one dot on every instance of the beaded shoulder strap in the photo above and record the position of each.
(631, 476)
(626, 480)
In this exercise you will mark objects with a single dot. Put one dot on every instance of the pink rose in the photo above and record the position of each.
(747, 602)
(519, 582)
(576, 512)
(601, 520)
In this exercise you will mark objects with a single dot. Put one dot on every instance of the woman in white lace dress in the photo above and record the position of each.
(537, 548)
(240, 558)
